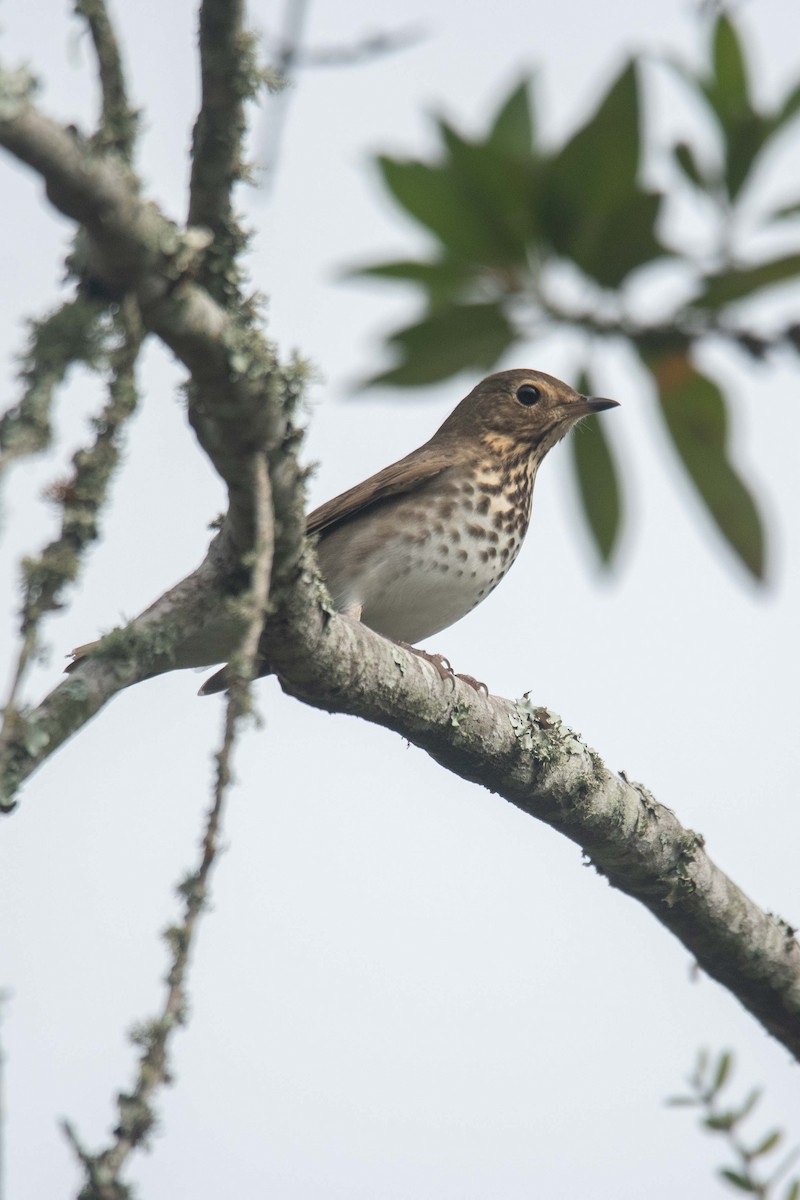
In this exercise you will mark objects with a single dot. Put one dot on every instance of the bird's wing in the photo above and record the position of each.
(400, 477)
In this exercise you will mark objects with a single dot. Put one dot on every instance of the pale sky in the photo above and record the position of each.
(405, 987)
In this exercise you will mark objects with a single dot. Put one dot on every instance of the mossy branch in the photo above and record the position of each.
(229, 77)
(70, 334)
(237, 386)
(119, 123)
(81, 497)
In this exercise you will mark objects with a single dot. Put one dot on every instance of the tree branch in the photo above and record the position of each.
(70, 334)
(242, 402)
(126, 656)
(526, 755)
(228, 78)
(81, 497)
(119, 123)
(240, 396)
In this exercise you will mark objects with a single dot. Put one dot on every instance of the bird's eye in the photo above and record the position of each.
(528, 394)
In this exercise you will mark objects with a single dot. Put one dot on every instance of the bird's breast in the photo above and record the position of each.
(416, 563)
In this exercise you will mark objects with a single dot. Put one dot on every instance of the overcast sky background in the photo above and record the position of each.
(405, 988)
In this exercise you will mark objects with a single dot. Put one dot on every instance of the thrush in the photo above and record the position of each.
(416, 547)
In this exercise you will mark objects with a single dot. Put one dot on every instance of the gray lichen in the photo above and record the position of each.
(542, 732)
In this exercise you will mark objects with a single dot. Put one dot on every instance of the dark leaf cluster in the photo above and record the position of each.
(505, 212)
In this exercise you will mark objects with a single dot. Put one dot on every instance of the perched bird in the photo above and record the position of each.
(416, 547)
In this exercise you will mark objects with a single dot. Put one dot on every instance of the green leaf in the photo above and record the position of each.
(749, 1103)
(513, 128)
(789, 109)
(696, 418)
(433, 195)
(601, 160)
(788, 210)
(598, 483)
(746, 136)
(768, 1143)
(720, 1121)
(739, 283)
(697, 1079)
(685, 158)
(739, 1181)
(593, 210)
(479, 197)
(453, 339)
(443, 280)
(793, 1191)
(744, 130)
(609, 246)
(625, 240)
(724, 1063)
(500, 190)
(728, 90)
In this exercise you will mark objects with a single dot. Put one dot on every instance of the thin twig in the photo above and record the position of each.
(754, 1171)
(684, 328)
(365, 50)
(82, 498)
(229, 78)
(70, 334)
(294, 19)
(119, 123)
(133, 654)
(290, 56)
(136, 1113)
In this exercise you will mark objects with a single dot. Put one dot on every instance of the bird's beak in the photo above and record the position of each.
(586, 405)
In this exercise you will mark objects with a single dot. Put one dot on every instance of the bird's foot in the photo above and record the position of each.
(438, 661)
(443, 668)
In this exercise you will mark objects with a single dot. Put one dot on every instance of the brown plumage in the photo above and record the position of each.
(415, 547)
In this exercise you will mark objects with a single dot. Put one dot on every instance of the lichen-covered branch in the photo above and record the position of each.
(241, 403)
(69, 334)
(237, 386)
(149, 645)
(119, 123)
(126, 656)
(72, 333)
(229, 77)
(525, 754)
(81, 498)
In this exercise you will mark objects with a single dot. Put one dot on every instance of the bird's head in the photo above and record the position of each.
(520, 410)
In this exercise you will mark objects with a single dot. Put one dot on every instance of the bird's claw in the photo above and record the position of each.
(477, 684)
(444, 669)
(438, 661)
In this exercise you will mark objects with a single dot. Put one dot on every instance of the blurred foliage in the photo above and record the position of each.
(754, 1170)
(512, 218)
(597, 477)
